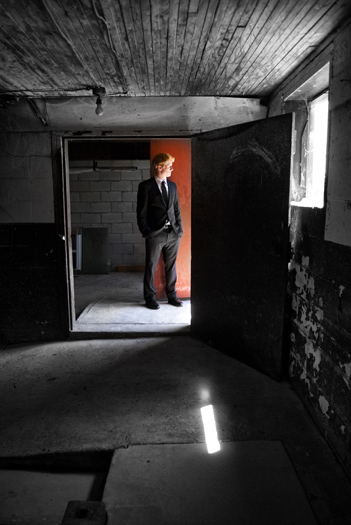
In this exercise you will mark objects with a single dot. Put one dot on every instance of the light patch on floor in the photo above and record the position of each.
(210, 429)
(107, 311)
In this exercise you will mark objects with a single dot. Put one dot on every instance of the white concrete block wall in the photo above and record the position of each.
(108, 199)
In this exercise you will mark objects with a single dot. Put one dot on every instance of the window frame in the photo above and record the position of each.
(300, 192)
(297, 101)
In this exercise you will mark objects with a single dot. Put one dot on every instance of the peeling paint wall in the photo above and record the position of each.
(319, 273)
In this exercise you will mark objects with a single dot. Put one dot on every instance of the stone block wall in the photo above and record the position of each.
(26, 183)
(108, 199)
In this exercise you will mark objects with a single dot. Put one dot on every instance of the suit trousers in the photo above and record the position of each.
(168, 244)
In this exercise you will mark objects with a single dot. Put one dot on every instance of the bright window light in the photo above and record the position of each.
(317, 150)
(314, 154)
(209, 423)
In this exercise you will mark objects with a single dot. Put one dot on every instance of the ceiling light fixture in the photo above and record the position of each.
(99, 109)
(99, 91)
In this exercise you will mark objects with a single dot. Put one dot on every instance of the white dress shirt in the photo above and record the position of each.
(159, 182)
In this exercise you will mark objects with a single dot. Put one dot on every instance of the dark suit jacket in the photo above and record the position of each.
(152, 212)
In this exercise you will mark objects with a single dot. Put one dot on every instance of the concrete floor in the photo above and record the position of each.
(107, 394)
(114, 304)
(245, 482)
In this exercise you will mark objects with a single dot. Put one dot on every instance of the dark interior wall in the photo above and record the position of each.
(32, 280)
(31, 306)
(319, 272)
(30, 190)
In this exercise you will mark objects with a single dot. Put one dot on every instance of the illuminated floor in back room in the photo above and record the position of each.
(114, 303)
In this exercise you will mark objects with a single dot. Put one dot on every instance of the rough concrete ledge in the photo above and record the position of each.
(126, 331)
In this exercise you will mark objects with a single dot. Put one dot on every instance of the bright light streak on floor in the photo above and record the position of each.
(209, 423)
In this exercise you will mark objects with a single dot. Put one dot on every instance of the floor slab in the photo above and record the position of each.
(123, 330)
(103, 395)
(31, 497)
(244, 483)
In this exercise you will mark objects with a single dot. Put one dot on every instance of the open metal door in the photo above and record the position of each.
(240, 202)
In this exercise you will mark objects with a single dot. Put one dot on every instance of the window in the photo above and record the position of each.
(313, 154)
(310, 105)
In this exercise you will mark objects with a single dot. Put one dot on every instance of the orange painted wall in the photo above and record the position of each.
(180, 149)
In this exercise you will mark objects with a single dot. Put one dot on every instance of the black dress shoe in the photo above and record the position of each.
(174, 301)
(152, 304)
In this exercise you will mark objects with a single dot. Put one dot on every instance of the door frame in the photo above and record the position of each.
(66, 209)
(66, 205)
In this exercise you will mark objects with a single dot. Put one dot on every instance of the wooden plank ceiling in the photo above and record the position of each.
(234, 48)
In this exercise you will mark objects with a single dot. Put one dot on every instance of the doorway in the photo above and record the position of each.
(239, 261)
(106, 250)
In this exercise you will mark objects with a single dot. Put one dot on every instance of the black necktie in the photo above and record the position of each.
(164, 192)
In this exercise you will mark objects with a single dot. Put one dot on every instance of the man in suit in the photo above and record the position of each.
(160, 223)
